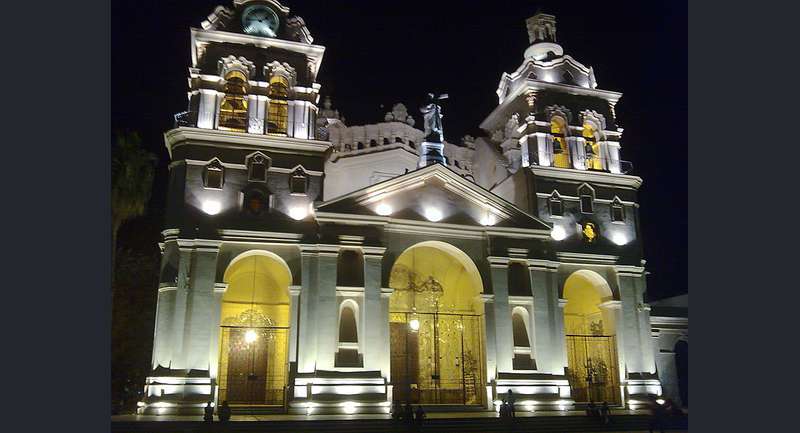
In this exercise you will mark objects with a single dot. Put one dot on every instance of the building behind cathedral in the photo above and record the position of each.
(312, 266)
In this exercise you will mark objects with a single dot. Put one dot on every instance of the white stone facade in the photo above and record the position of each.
(333, 220)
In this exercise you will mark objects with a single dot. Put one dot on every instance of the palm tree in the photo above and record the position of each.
(132, 173)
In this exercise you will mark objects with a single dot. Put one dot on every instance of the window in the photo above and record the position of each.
(519, 280)
(617, 210)
(520, 330)
(233, 110)
(556, 206)
(255, 202)
(587, 199)
(591, 147)
(278, 113)
(385, 141)
(258, 169)
(213, 175)
(299, 182)
(398, 140)
(350, 269)
(558, 129)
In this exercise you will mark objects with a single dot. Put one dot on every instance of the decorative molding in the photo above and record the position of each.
(596, 177)
(230, 235)
(587, 258)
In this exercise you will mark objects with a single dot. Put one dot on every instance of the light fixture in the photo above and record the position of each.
(250, 336)
(558, 233)
(660, 401)
(298, 212)
(489, 219)
(433, 214)
(349, 407)
(413, 324)
(383, 209)
(619, 239)
(212, 207)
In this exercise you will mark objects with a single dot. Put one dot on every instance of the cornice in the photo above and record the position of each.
(239, 140)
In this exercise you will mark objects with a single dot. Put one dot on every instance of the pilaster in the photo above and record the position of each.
(376, 323)
(504, 342)
(545, 310)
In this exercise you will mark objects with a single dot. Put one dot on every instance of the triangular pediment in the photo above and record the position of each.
(433, 194)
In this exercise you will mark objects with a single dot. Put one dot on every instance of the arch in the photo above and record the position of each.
(254, 329)
(591, 136)
(348, 321)
(233, 108)
(590, 328)
(436, 326)
(559, 130)
(278, 105)
(520, 323)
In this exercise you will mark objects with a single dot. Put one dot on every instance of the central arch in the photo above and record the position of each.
(436, 326)
(590, 328)
(254, 330)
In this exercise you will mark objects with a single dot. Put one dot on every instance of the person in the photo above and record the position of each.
(208, 413)
(419, 417)
(591, 411)
(504, 409)
(397, 410)
(511, 409)
(408, 414)
(605, 412)
(656, 416)
(224, 412)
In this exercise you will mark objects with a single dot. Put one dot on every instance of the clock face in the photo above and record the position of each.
(260, 20)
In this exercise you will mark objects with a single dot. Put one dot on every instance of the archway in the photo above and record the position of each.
(593, 367)
(436, 326)
(254, 330)
(682, 369)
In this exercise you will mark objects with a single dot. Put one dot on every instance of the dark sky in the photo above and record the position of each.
(382, 52)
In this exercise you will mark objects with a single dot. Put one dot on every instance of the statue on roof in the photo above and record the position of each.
(434, 132)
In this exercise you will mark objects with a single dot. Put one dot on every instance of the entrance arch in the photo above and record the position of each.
(436, 326)
(590, 328)
(254, 330)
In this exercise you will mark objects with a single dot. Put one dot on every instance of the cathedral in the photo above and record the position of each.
(311, 266)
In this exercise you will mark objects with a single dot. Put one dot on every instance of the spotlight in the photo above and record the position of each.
(250, 336)
(413, 324)
(298, 212)
(383, 209)
(433, 214)
(212, 207)
(558, 233)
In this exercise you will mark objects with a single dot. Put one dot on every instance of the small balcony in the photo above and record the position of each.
(571, 160)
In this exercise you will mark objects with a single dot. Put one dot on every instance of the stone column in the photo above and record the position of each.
(294, 292)
(176, 360)
(207, 109)
(634, 321)
(256, 113)
(201, 308)
(612, 313)
(545, 310)
(307, 327)
(613, 164)
(491, 337)
(544, 144)
(376, 322)
(326, 316)
(562, 339)
(504, 342)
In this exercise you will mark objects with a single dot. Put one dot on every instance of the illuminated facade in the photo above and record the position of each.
(309, 266)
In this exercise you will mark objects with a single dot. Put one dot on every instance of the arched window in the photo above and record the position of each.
(519, 281)
(523, 355)
(556, 205)
(255, 202)
(213, 175)
(592, 147)
(558, 129)
(257, 168)
(350, 268)
(385, 141)
(373, 143)
(278, 115)
(347, 353)
(587, 199)
(617, 210)
(299, 182)
(233, 111)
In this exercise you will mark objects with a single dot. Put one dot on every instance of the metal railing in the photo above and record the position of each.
(581, 162)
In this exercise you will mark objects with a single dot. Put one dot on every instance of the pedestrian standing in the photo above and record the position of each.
(208, 413)
(224, 412)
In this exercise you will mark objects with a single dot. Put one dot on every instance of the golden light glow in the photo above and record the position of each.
(254, 331)
(558, 128)
(233, 110)
(436, 326)
(593, 161)
(278, 107)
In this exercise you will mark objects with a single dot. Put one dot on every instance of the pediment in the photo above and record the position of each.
(435, 195)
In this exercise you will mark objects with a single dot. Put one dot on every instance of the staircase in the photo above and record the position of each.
(554, 424)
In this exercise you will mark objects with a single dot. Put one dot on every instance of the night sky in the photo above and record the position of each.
(382, 52)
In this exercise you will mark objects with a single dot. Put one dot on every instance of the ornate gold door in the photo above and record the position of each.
(593, 374)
